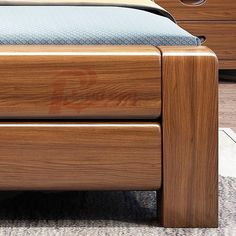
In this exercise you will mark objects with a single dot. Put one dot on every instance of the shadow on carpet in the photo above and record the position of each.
(102, 213)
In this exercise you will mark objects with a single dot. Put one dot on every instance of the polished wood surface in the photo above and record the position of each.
(80, 156)
(200, 9)
(227, 64)
(190, 137)
(220, 37)
(80, 82)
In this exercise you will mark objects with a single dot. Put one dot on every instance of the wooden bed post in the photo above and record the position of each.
(190, 137)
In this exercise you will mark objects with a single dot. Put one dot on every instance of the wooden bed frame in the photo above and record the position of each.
(113, 118)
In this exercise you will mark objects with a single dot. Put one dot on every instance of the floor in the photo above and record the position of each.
(227, 99)
(227, 105)
(227, 152)
(227, 122)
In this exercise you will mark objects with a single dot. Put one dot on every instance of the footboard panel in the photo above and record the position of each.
(80, 156)
(80, 82)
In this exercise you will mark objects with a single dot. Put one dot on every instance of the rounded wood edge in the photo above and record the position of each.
(187, 51)
(73, 49)
(53, 123)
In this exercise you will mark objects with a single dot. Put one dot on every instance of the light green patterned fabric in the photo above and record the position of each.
(88, 25)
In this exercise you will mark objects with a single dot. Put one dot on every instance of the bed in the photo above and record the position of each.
(95, 96)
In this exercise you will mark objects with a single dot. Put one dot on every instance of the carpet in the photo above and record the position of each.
(102, 213)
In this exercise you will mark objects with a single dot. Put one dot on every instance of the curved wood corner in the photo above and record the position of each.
(190, 137)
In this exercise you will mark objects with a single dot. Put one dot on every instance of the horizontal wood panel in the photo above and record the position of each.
(80, 156)
(80, 82)
(200, 9)
(220, 36)
(227, 64)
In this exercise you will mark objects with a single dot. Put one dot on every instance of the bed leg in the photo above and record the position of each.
(190, 137)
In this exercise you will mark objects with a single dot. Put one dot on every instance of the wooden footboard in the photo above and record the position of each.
(80, 156)
(142, 89)
(80, 82)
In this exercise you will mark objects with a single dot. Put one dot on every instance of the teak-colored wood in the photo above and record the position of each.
(200, 9)
(227, 64)
(80, 82)
(80, 156)
(86, 82)
(190, 137)
(220, 37)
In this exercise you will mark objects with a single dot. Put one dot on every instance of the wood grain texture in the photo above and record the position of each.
(190, 137)
(80, 82)
(209, 10)
(80, 156)
(220, 37)
(227, 64)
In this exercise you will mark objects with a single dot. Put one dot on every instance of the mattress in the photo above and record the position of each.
(88, 25)
(147, 5)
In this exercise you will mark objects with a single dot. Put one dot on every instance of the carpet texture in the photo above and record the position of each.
(102, 213)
